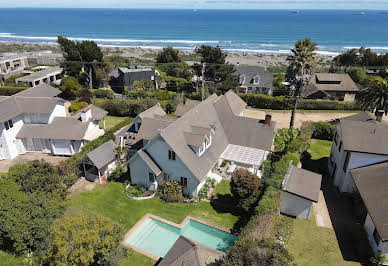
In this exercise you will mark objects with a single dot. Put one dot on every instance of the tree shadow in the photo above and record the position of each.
(225, 203)
(317, 166)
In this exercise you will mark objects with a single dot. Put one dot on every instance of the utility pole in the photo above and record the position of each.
(203, 80)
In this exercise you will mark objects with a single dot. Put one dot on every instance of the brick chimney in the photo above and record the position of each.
(379, 115)
(268, 119)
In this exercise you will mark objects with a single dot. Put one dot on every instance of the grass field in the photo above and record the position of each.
(111, 201)
(313, 245)
(111, 121)
(320, 152)
(7, 259)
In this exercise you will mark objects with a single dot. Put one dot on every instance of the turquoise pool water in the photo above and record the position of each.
(157, 237)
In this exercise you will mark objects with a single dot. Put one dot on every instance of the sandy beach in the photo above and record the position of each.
(146, 56)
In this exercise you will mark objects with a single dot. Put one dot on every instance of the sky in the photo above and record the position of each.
(204, 4)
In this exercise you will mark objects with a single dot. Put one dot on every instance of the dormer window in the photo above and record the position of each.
(256, 80)
(242, 79)
(8, 124)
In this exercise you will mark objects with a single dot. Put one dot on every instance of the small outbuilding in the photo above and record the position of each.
(300, 189)
(100, 162)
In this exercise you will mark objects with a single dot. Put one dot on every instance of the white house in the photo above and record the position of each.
(300, 189)
(360, 141)
(50, 75)
(189, 148)
(35, 120)
(372, 184)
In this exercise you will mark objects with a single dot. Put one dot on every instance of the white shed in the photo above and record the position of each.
(300, 189)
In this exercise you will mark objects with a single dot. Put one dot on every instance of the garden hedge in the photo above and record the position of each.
(104, 94)
(8, 90)
(323, 130)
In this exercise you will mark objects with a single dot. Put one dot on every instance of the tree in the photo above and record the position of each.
(82, 239)
(301, 68)
(25, 218)
(70, 88)
(375, 96)
(81, 57)
(143, 85)
(168, 55)
(358, 75)
(245, 189)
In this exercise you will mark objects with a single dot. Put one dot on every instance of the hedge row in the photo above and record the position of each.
(323, 130)
(8, 91)
(283, 103)
(104, 94)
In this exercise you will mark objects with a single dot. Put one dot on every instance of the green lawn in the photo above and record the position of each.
(111, 121)
(111, 201)
(7, 259)
(313, 245)
(320, 152)
(223, 188)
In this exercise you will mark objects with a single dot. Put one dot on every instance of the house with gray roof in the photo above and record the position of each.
(360, 141)
(338, 87)
(35, 120)
(372, 185)
(254, 79)
(122, 78)
(300, 189)
(190, 148)
(50, 75)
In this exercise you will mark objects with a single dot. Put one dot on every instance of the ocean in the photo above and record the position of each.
(244, 31)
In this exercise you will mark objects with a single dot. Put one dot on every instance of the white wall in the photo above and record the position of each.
(369, 228)
(295, 206)
(10, 146)
(58, 111)
(62, 147)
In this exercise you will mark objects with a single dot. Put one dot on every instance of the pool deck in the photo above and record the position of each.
(180, 226)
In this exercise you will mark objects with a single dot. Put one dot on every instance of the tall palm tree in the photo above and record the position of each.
(303, 62)
(375, 96)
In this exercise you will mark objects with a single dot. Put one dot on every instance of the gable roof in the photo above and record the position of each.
(181, 108)
(236, 104)
(303, 183)
(151, 126)
(67, 128)
(346, 84)
(97, 113)
(38, 100)
(361, 117)
(187, 252)
(250, 72)
(367, 137)
(103, 155)
(150, 162)
(372, 184)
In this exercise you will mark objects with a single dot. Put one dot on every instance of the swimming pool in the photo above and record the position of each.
(157, 237)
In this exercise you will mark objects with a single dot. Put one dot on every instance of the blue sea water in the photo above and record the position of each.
(250, 31)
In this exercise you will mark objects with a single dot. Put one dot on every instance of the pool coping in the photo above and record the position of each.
(180, 226)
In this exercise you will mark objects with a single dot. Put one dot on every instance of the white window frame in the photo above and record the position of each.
(254, 80)
(243, 79)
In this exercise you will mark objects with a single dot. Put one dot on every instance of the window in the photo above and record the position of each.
(184, 181)
(340, 146)
(256, 80)
(171, 155)
(151, 177)
(346, 163)
(242, 79)
(376, 237)
(8, 124)
(336, 139)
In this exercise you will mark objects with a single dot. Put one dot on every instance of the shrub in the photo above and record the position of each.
(105, 94)
(117, 174)
(76, 106)
(135, 191)
(162, 95)
(11, 90)
(209, 184)
(245, 189)
(125, 107)
(170, 191)
(70, 88)
(323, 130)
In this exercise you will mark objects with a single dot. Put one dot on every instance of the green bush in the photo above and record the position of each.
(245, 189)
(10, 90)
(135, 191)
(270, 201)
(323, 130)
(117, 174)
(170, 191)
(104, 94)
(76, 106)
(129, 108)
(209, 184)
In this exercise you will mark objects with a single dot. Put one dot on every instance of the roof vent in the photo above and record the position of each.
(213, 126)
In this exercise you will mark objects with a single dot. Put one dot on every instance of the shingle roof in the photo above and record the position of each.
(193, 139)
(303, 183)
(250, 72)
(361, 117)
(37, 100)
(98, 114)
(186, 252)
(67, 128)
(103, 155)
(236, 104)
(181, 108)
(39, 74)
(368, 137)
(346, 83)
(151, 126)
(148, 160)
(372, 184)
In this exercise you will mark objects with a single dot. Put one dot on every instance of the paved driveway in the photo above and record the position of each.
(6, 164)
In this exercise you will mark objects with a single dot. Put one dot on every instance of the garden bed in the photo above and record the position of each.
(138, 192)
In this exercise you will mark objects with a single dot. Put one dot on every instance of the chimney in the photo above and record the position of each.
(379, 115)
(268, 119)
